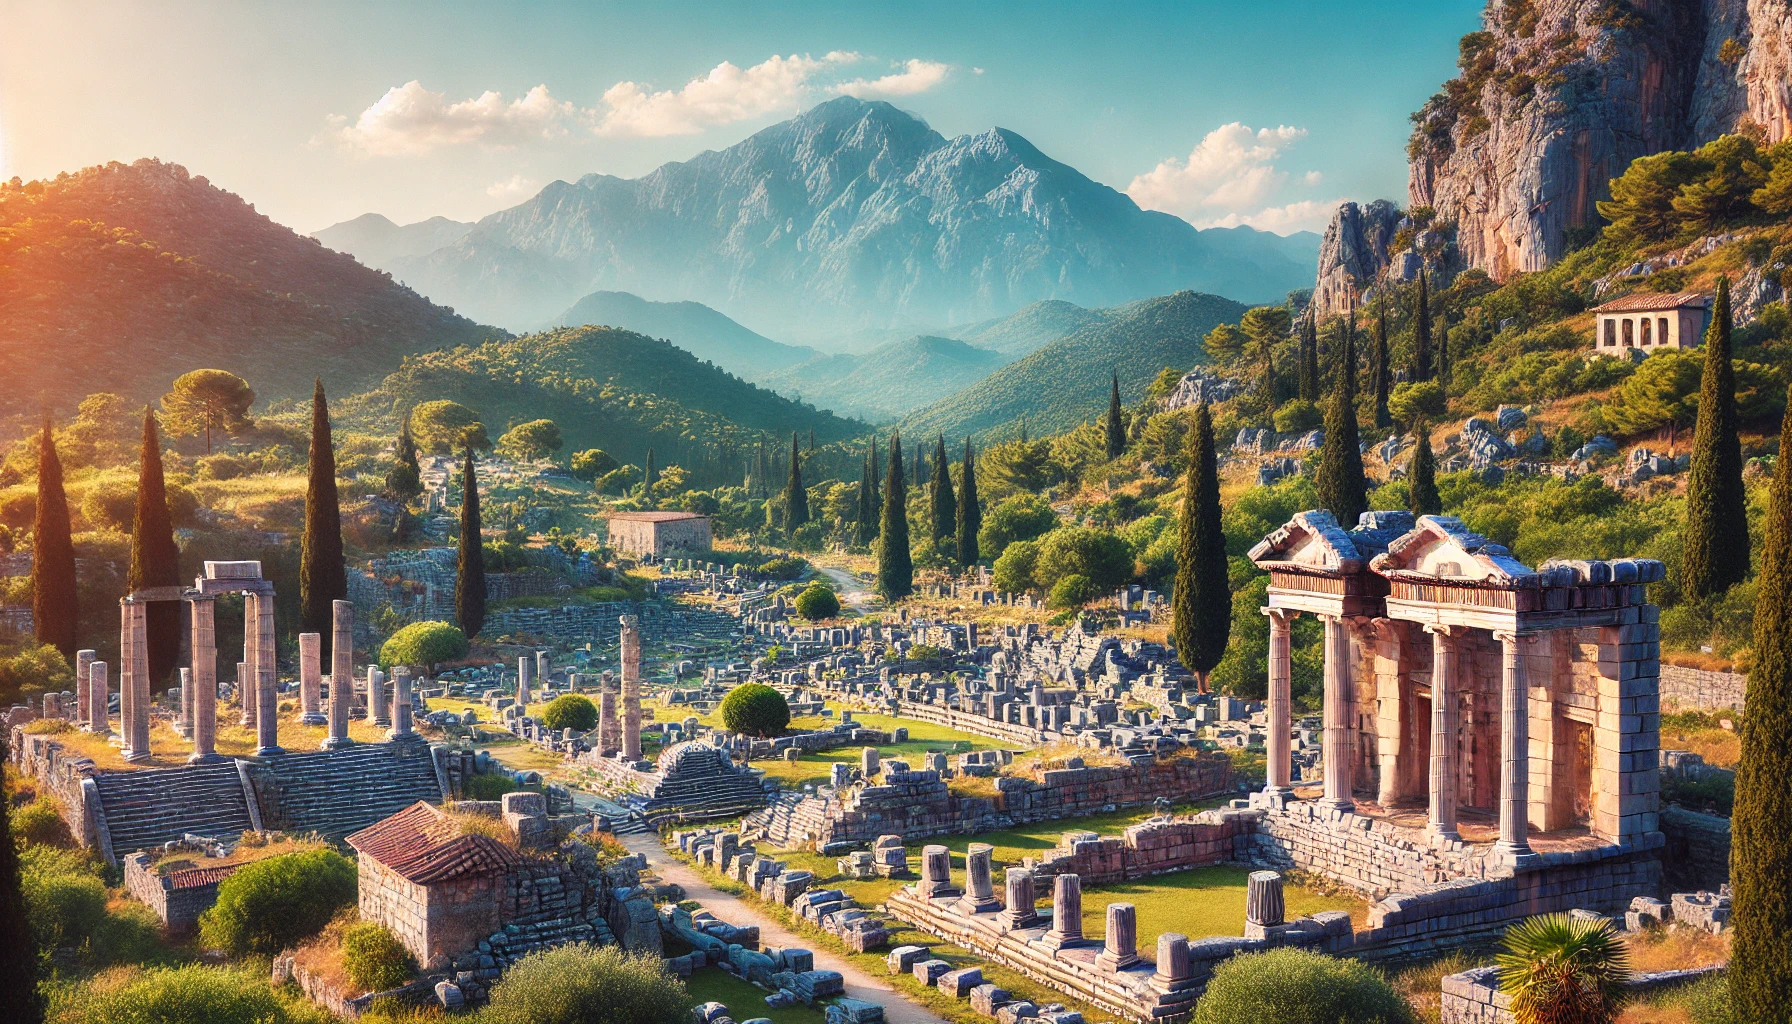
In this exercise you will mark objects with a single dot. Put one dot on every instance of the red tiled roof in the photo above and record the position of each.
(655, 517)
(425, 845)
(1650, 302)
(193, 878)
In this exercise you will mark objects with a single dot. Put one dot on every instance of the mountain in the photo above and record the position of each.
(611, 389)
(121, 278)
(692, 326)
(852, 214)
(1067, 381)
(1030, 328)
(890, 380)
(377, 242)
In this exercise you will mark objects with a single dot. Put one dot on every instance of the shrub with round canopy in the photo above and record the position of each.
(1294, 986)
(425, 644)
(570, 711)
(584, 984)
(271, 904)
(817, 602)
(755, 709)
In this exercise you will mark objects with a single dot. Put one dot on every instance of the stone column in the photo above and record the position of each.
(1174, 969)
(1263, 902)
(267, 696)
(543, 667)
(183, 722)
(870, 763)
(401, 703)
(247, 684)
(379, 706)
(1276, 745)
(1515, 745)
(1019, 911)
(1340, 714)
(979, 883)
(1067, 913)
(134, 687)
(606, 721)
(525, 670)
(84, 715)
(1443, 734)
(631, 689)
(342, 672)
(205, 682)
(936, 872)
(1120, 945)
(102, 711)
(311, 683)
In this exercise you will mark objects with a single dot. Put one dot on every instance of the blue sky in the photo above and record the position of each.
(1263, 112)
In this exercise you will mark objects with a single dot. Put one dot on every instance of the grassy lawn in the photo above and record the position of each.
(746, 1000)
(169, 749)
(1199, 903)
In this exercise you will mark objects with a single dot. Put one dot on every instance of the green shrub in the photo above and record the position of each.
(570, 711)
(32, 668)
(195, 994)
(424, 644)
(1072, 591)
(373, 957)
(1294, 986)
(582, 984)
(1014, 569)
(489, 786)
(817, 602)
(783, 568)
(1017, 517)
(1708, 1002)
(65, 910)
(1297, 416)
(38, 824)
(1083, 551)
(755, 709)
(272, 904)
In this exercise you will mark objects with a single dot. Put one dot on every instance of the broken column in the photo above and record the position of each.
(607, 727)
(869, 762)
(1067, 913)
(401, 703)
(267, 695)
(631, 688)
(84, 714)
(133, 682)
(1263, 904)
(543, 667)
(311, 681)
(1120, 946)
(1174, 968)
(342, 672)
(936, 872)
(525, 670)
(204, 681)
(379, 705)
(979, 885)
(1019, 912)
(183, 719)
(102, 711)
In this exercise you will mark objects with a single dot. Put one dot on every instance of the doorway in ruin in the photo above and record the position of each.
(1415, 763)
(1580, 777)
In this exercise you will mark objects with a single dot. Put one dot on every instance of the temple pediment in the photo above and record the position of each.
(1441, 549)
(1313, 541)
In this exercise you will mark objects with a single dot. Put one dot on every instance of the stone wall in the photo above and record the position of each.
(1474, 996)
(1697, 851)
(1695, 689)
(178, 902)
(1149, 848)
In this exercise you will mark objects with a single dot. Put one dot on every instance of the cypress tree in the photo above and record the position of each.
(922, 469)
(796, 499)
(1201, 609)
(1715, 548)
(1340, 478)
(648, 475)
(1443, 352)
(469, 572)
(322, 578)
(811, 440)
(54, 604)
(970, 514)
(155, 559)
(877, 501)
(1384, 377)
(866, 526)
(1023, 430)
(20, 1000)
(895, 568)
(404, 481)
(942, 503)
(1421, 475)
(1421, 333)
(1761, 827)
(1309, 358)
(1116, 423)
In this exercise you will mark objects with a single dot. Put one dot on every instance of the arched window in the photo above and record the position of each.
(1661, 333)
(1611, 332)
(1629, 333)
(1648, 332)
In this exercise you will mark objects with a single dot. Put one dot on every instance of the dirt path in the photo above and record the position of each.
(852, 591)
(898, 1008)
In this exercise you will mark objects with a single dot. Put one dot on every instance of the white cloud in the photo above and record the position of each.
(1311, 178)
(1228, 179)
(1305, 215)
(410, 119)
(512, 188)
(916, 76)
(725, 95)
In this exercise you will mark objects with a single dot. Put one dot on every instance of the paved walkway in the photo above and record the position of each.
(898, 1007)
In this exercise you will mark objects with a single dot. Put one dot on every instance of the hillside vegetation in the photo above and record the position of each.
(889, 380)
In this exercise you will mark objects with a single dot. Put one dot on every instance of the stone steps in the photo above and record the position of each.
(335, 792)
(145, 809)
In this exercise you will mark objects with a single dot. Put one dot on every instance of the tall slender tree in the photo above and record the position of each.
(54, 604)
(796, 498)
(155, 558)
(1761, 827)
(1384, 376)
(1340, 479)
(1309, 357)
(970, 513)
(895, 567)
(922, 469)
(942, 502)
(20, 1000)
(469, 572)
(1201, 609)
(322, 578)
(1421, 332)
(1443, 351)
(1714, 543)
(648, 476)
(1421, 474)
(1116, 422)
(404, 481)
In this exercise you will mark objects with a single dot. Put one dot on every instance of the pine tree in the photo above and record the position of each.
(20, 1000)
(796, 499)
(155, 558)
(648, 476)
(1714, 544)
(970, 513)
(1384, 377)
(1421, 475)
(54, 604)
(404, 481)
(1421, 334)
(1309, 358)
(469, 573)
(1340, 479)
(941, 501)
(1201, 612)
(1761, 826)
(895, 568)
(1116, 422)
(322, 578)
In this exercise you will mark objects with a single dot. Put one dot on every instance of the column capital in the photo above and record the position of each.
(1281, 616)
(1521, 636)
(1448, 631)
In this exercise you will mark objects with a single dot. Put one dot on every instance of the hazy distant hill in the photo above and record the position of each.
(853, 214)
(376, 241)
(1067, 381)
(889, 380)
(1030, 328)
(121, 278)
(692, 326)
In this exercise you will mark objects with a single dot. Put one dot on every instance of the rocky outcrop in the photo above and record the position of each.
(1353, 253)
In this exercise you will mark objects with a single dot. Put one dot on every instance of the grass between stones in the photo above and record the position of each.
(169, 749)
(746, 1000)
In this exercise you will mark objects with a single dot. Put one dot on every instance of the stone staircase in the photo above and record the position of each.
(145, 809)
(335, 792)
(791, 821)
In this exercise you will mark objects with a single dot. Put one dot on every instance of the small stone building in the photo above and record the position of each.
(1650, 322)
(658, 533)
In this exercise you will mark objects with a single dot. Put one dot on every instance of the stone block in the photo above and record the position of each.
(986, 999)
(930, 971)
(903, 959)
(958, 984)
